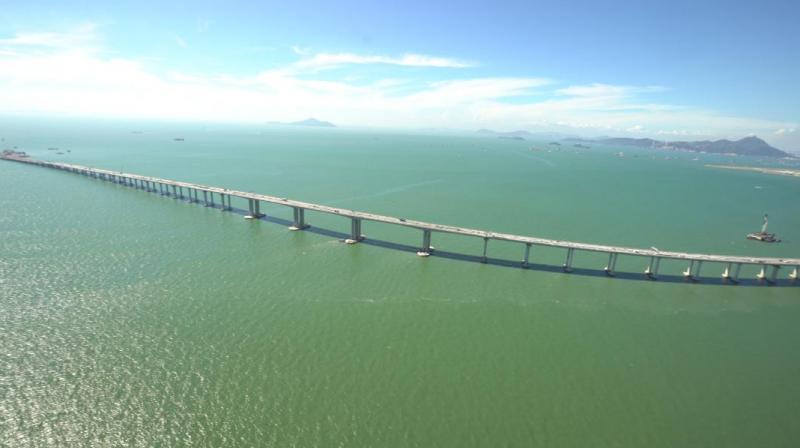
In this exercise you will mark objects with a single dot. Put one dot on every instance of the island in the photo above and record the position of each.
(748, 146)
(310, 122)
(313, 122)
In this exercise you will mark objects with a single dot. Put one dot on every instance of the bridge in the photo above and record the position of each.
(731, 265)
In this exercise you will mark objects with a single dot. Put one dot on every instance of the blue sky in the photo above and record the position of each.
(672, 70)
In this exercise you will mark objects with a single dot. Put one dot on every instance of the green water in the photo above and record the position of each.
(128, 319)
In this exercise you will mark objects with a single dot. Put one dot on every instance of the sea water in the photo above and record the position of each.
(132, 319)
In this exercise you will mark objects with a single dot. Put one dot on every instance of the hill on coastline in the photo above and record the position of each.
(748, 146)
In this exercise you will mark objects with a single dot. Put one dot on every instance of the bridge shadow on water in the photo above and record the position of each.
(555, 269)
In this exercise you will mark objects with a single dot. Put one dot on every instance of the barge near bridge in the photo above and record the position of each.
(768, 267)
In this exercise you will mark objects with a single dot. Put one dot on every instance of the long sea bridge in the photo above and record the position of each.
(731, 265)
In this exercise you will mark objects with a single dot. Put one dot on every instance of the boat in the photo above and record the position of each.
(763, 235)
(178, 139)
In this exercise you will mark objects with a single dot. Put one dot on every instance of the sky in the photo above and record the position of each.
(672, 70)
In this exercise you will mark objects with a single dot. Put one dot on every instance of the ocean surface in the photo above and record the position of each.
(130, 319)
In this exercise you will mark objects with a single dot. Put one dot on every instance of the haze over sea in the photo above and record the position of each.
(129, 319)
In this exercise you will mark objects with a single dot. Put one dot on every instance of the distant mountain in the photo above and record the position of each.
(521, 135)
(748, 146)
(313, 122)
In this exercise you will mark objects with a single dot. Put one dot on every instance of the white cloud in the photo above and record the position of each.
(300, 51)
(83, 36)
(606, 90)
(40, 74)
(203, 25)
(181, 42)
(328, 60)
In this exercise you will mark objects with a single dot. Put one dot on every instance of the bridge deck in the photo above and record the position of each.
(421, 225)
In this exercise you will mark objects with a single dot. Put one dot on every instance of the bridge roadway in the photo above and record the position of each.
(732, 263)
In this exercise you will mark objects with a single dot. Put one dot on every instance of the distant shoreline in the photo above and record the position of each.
(776, 171)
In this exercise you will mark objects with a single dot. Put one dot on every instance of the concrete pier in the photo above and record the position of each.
(425, 250)
(769, 267)
(298, 219)
(254, 207)
(568, 262)
(652, 268)
(355, 231)
(526, 257)
(693, 271)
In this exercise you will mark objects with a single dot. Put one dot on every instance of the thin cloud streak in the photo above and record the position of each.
(83, 36)
(329, 60)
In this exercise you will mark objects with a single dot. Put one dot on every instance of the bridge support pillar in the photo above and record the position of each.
(254, 208)
(527, 255)
(485, 248)
(355, 231)
(692, 273)
(298, 219)
(762, 275)
(174, 192)
(568, 262)
(727, 274)
(426, 249)
(205, 198)
(228, 206)
(611, 266)
(773, 277)
(652, 268)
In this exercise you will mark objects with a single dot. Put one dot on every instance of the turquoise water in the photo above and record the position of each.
(131, 319)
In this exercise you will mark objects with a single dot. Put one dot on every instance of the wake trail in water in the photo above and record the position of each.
(538, 159)
(388, 191)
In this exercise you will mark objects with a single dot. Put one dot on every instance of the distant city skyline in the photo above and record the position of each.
(668, 70)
